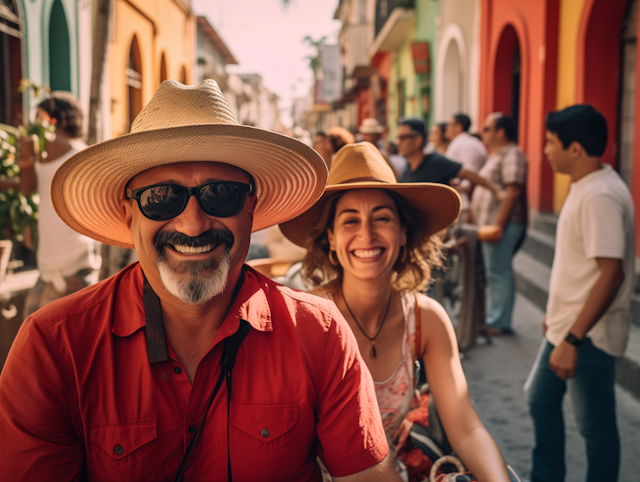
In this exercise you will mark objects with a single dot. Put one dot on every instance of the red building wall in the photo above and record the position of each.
(532, 26)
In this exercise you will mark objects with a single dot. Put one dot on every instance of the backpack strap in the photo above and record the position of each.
(418, 338)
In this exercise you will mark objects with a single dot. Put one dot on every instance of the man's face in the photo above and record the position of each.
(453, 129)
(409, 141)
(193, 254)
(559, 157)
(489, 133)
(372, 138)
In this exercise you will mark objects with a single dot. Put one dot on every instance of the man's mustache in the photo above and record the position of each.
(213, 236)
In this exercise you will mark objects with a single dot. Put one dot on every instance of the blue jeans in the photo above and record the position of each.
(500, 279)
(594, 407)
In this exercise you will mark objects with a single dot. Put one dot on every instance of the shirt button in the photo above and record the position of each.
(264, 433)
(177, 370)
(192, 429)
(118, 450)
(164, 375)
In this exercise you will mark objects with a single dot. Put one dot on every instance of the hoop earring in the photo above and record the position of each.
(334, 262)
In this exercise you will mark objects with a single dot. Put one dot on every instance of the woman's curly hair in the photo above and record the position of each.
(411, 272)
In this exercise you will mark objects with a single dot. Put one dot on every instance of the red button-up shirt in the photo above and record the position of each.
(79, 399)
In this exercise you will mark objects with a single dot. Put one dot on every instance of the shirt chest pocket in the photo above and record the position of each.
(123, 452)
(269, 433)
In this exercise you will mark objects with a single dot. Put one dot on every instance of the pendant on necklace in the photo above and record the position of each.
(374, 354)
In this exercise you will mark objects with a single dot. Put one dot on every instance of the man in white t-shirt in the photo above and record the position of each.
(587, 320)
(67, 260)
(465, 149)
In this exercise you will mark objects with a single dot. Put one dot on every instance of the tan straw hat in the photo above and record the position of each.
(370, 126)
(184, 124)
(361, 166)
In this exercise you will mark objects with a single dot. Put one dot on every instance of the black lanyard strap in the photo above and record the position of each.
(227, 362)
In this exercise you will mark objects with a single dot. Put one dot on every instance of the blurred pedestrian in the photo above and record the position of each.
(587, 321)
(131, 379)
(67, 260)
(322, 145)
(339, 137)
(506, 167)
(465, 149)
(438, 141)
(397, 162)
(371, 130)
(371, 252)
(432, 167)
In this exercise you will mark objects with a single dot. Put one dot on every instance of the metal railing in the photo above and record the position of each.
(384, 8)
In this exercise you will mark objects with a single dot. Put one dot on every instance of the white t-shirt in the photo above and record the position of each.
(468, 151)
(596, 221)
(62, 252)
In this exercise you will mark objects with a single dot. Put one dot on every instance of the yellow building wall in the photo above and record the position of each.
(159, 26)
(402, 69)
(570, 14)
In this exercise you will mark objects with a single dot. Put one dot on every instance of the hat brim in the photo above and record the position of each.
(371, 130)
(439, 204)
(88, 188)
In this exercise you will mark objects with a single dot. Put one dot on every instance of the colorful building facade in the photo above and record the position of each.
(153, 40)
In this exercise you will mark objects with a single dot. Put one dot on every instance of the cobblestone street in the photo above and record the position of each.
(496, 374)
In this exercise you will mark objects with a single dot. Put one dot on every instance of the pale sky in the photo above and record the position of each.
(266, 38)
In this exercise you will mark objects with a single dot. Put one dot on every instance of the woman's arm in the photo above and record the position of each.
(448, 385)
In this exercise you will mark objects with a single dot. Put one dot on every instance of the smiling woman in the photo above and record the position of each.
(372, 244)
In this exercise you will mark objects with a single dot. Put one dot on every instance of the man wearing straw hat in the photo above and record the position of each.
(131, 379)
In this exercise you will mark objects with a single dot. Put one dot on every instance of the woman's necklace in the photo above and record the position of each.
(374, 353)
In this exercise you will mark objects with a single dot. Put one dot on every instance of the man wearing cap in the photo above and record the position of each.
(131, 379)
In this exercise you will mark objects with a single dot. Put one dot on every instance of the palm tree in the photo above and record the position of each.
(314, 60)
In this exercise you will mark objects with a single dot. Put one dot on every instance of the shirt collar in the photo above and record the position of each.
(132, 311)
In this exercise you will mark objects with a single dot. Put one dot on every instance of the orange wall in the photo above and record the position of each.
(536, 27)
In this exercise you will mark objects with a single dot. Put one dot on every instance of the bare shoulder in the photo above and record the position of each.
(435, 323)
(431, 311)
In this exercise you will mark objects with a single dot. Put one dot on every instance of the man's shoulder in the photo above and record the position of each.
(84, 302)
(303, 305)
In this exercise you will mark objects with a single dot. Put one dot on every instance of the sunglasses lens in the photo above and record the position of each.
(221, 199)
(162, 202)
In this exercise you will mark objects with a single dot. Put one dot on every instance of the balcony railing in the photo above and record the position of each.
(384, 9)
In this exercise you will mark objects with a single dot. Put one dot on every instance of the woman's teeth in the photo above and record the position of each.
(193, 250)
(367, 253)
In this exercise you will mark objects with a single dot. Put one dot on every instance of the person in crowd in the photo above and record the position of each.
(68, 261)
(466, 149)
(438, 141)
(370, 130)
(506, 167)
(431, 167)
(371, 248)
(587, 320)
(339, 137)
(397, 162)
(322, 146)
(131, 379)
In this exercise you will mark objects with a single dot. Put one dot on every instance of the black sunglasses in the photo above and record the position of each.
(161, 202)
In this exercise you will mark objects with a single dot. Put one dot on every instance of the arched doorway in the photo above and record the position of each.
(163, 68)
(628, 69)
(59, 49)
(10, 63)
(134, 82)
(507, 81)
(451, 82)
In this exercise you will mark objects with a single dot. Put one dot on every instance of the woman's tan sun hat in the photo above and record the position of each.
(361, 166)
(185, 124)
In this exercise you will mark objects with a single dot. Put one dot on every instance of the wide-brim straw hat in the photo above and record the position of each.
(370, 126)
(185, 124)
(361, 166)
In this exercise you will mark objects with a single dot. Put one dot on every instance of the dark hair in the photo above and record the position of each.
(321, 134)
(582, 124)
(65, 109)
(463, 120)
(417, 125)
(443, 130)
(505, 122)
(412, 272)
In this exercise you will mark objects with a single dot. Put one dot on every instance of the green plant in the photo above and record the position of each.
(19, 213)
